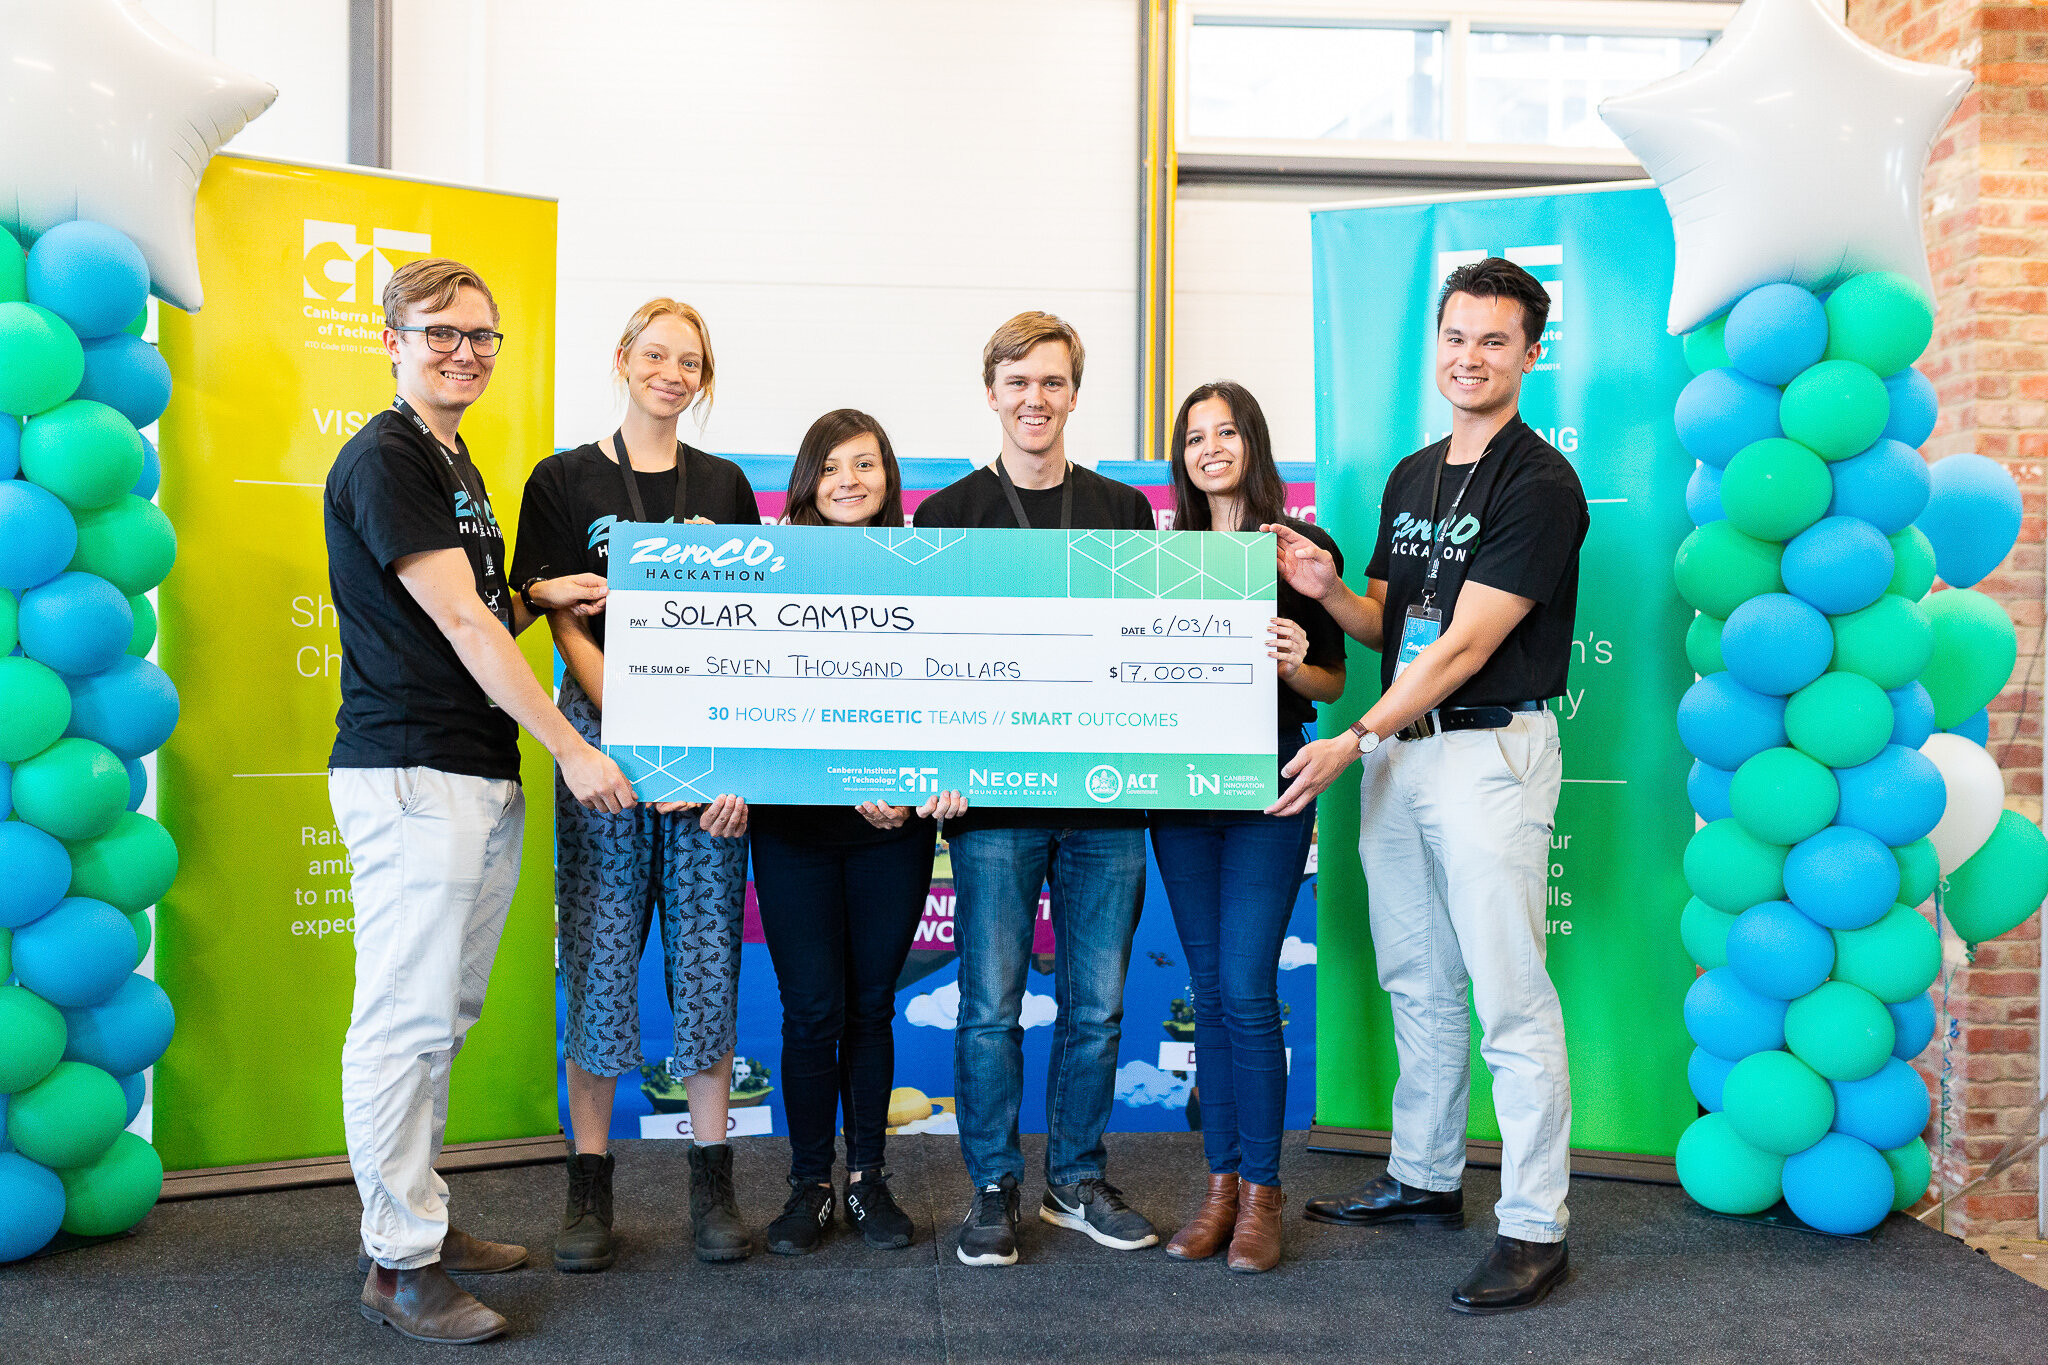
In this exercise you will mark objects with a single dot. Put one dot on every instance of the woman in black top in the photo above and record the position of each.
(687, 861)
(1232, 876)
(841, 890)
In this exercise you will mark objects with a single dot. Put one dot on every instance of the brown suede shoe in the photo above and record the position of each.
(1255, 1243)
(1208, 1231)
(463, 1254)
(426, 1305)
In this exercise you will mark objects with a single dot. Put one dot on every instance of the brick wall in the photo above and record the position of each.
(1987, 237)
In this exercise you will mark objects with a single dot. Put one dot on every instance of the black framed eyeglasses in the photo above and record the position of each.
(483, 342)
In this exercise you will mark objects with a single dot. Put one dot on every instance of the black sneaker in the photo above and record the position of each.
(1096, 1207)
(873, 1212)
(801, 1227)
(988, 1235)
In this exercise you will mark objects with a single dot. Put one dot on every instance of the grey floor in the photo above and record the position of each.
(271, 1278)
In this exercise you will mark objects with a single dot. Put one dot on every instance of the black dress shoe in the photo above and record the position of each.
(1515, 1274)
(1387, 1200)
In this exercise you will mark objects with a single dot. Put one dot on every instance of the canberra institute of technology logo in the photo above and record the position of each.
(342, 269)
(1104, 783)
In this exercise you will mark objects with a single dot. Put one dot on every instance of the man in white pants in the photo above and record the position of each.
(424, 780)
(1471, 600)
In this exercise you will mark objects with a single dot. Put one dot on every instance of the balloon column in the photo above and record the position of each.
(81, 545)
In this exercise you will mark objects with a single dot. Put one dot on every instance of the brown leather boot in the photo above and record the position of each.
(426, 1305)
(1255, 1243)
(462, 1254)
(1206, 1233)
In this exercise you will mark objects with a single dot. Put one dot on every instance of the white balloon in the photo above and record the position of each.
(1976, 798)
(106, 115)
(1792, 151)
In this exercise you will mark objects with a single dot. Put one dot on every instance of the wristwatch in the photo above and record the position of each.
(1367, 740)
(525, 591)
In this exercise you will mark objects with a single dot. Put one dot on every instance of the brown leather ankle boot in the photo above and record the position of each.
(1255, 1243)
(1209, 1229)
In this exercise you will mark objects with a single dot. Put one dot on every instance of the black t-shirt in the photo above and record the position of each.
(1325, 637)
(406, 699)
(574, 497)
(1100, 504)
(836, 825)
(1518, 528)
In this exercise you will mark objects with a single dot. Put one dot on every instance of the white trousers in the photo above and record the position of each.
(436, 857)
(1454, 832)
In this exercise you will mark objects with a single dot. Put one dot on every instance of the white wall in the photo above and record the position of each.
(300, 47)
(855, 195)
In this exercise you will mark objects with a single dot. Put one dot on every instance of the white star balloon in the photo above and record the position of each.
(106, 115)
(1792, 151)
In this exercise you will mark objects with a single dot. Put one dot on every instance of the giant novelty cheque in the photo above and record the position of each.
(818, 665)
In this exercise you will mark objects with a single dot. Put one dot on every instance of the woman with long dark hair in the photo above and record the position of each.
(1231, 876)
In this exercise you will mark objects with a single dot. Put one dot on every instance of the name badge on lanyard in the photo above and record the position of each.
(1423, 623)
(1418, 632)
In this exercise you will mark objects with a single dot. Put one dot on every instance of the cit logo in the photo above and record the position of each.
(919, 779)
(340, 268)
(1104, 784)
(1530, 258)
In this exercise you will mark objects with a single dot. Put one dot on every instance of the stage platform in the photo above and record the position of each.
(1654, 1279)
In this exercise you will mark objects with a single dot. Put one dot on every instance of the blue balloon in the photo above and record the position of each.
(1729, 1019)
(1912, 715)
(1972, 517)
(1703, 495)
(1707, 788)
(31, 1206)
(78, 954)
(152, 472)
(1977, 729)
(76, 623)
(1886, 1110)
(1898, 796)
(1912, 1026)
(131, 707)
(1724, 724)
(133, 1090)
(1722, 411)
(1842, 878)
(128, 375)
(10, 446)
(1776, 644)
(1914, 406)
(1775, 332)
(6, 790)
(37, 535)
(124, 1033)
(1838, 565)
(1886, 485)
(38, 874)
(138, 782)
(1778, 952)
(1706, 1074)
(1841, 1185)
(90, 275)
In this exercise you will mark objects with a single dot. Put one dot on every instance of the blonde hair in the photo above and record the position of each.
(1015, 338)
(428, 285)
(644, 316)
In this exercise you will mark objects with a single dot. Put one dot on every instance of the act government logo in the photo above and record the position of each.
(1103, 783)
(341, 267)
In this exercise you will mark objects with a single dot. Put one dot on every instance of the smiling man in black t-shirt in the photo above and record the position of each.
(1472, 592)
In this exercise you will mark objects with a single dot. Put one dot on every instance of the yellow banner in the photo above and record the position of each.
(282, 365)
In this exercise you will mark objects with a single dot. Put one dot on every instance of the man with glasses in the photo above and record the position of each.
(424, 780)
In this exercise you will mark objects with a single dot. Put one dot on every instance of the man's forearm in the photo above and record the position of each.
(1362, 618)
(1435, 673)
(487, 651)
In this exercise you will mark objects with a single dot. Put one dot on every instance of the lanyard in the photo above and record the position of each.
(1437, 529)
(452, 479)
(633, 482)
(1017, 503)
(483, 561)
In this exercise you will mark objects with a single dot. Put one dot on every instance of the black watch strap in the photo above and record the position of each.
(525, 595)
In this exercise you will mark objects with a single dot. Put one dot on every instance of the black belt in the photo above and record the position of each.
(1466, 718)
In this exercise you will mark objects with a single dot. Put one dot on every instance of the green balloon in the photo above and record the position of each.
(129, 867)
(1888, 642)
(67, 1118)
(1777, 1103)
(144, 638)
(1912, 1172)
(1836, 409)
(1724, 1173)
(144, 933)
(84, 452)
(1880, 320)
(1894, 959)
(74, 789)
(1703, 644)
(10, 622)
(1782, 796)
(2002, 883)
(1973, 657)
(1774, 489)
(129, 543)
(1919, 871)
(113, 1193)
(1912, 564)
(1842, 1031)
(1731, 869)
(32, 1038)
(138, 324)
(1704, 931)
(35, 707)
(41, 360)
(1719, 568)
(13, 269)
(1840, 719)
(1706, 348)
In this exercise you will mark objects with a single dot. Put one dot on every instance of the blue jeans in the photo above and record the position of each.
(1098, 887)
